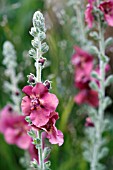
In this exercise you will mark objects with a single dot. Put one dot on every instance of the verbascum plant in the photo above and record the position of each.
(98, 15)
(39, 104)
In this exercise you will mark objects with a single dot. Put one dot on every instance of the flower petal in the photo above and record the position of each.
(25, 105)
(23, 141)
(39, 89)
(49, 102)
(55, 136)
(39, 117)
(81, 97)
(27, 90)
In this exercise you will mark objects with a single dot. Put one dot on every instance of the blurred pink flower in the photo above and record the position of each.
(55, 136)
(14, 128)
(89, 18)
(38, 103)
(89, 122)
(83, 63)
(87, 96)
(107, 8)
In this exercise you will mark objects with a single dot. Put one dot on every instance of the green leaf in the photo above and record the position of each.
(108, 41)
(107, 102)
(46, 152)
(94, 50)
(109, 80)
(94, 74)
(93, 85)
(94, 35)
(32, 133)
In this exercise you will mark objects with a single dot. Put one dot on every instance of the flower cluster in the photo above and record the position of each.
(40, 106)
(14, 127)
(83, 64)
(106, 8)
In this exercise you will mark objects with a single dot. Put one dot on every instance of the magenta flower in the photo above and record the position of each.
(55, 136)
(89, 122)
(83, 63)
(14, 128)
(89, 18)
(38, 104)
(87, 96)
(107, 8)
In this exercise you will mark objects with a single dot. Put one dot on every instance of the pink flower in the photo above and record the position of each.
(89, 122)
(83, 63)
(107, 8)
(55, 136)
(89, 18)
(38, 104)
(87, 96)
(14, 128)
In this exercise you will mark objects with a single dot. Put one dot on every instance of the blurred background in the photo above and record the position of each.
(15, 24)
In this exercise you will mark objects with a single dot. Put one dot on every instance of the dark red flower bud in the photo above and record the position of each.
(42, 61)
(17, 93)
(47, 83)
(31, 78)
(89, 122)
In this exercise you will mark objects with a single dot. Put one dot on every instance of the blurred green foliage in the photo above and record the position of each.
(15, 23)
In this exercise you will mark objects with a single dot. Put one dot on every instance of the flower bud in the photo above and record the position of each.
(42, 61)
(17, 93)
(89, 122)
(47, 83)
(10, 109)
(31, 78)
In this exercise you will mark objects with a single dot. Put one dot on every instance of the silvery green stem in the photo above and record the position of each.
(40, 151)
(38, 32)
(101, 109)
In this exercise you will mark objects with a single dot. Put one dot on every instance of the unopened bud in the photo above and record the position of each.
(31, 78)
(17, 93)
(47, 83)
(42, 61)
(10, 109)
(89, 122)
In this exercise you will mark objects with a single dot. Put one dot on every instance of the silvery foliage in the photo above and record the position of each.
(38, 31)
(10, 63)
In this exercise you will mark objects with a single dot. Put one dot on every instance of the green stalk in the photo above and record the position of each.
(101, 109)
